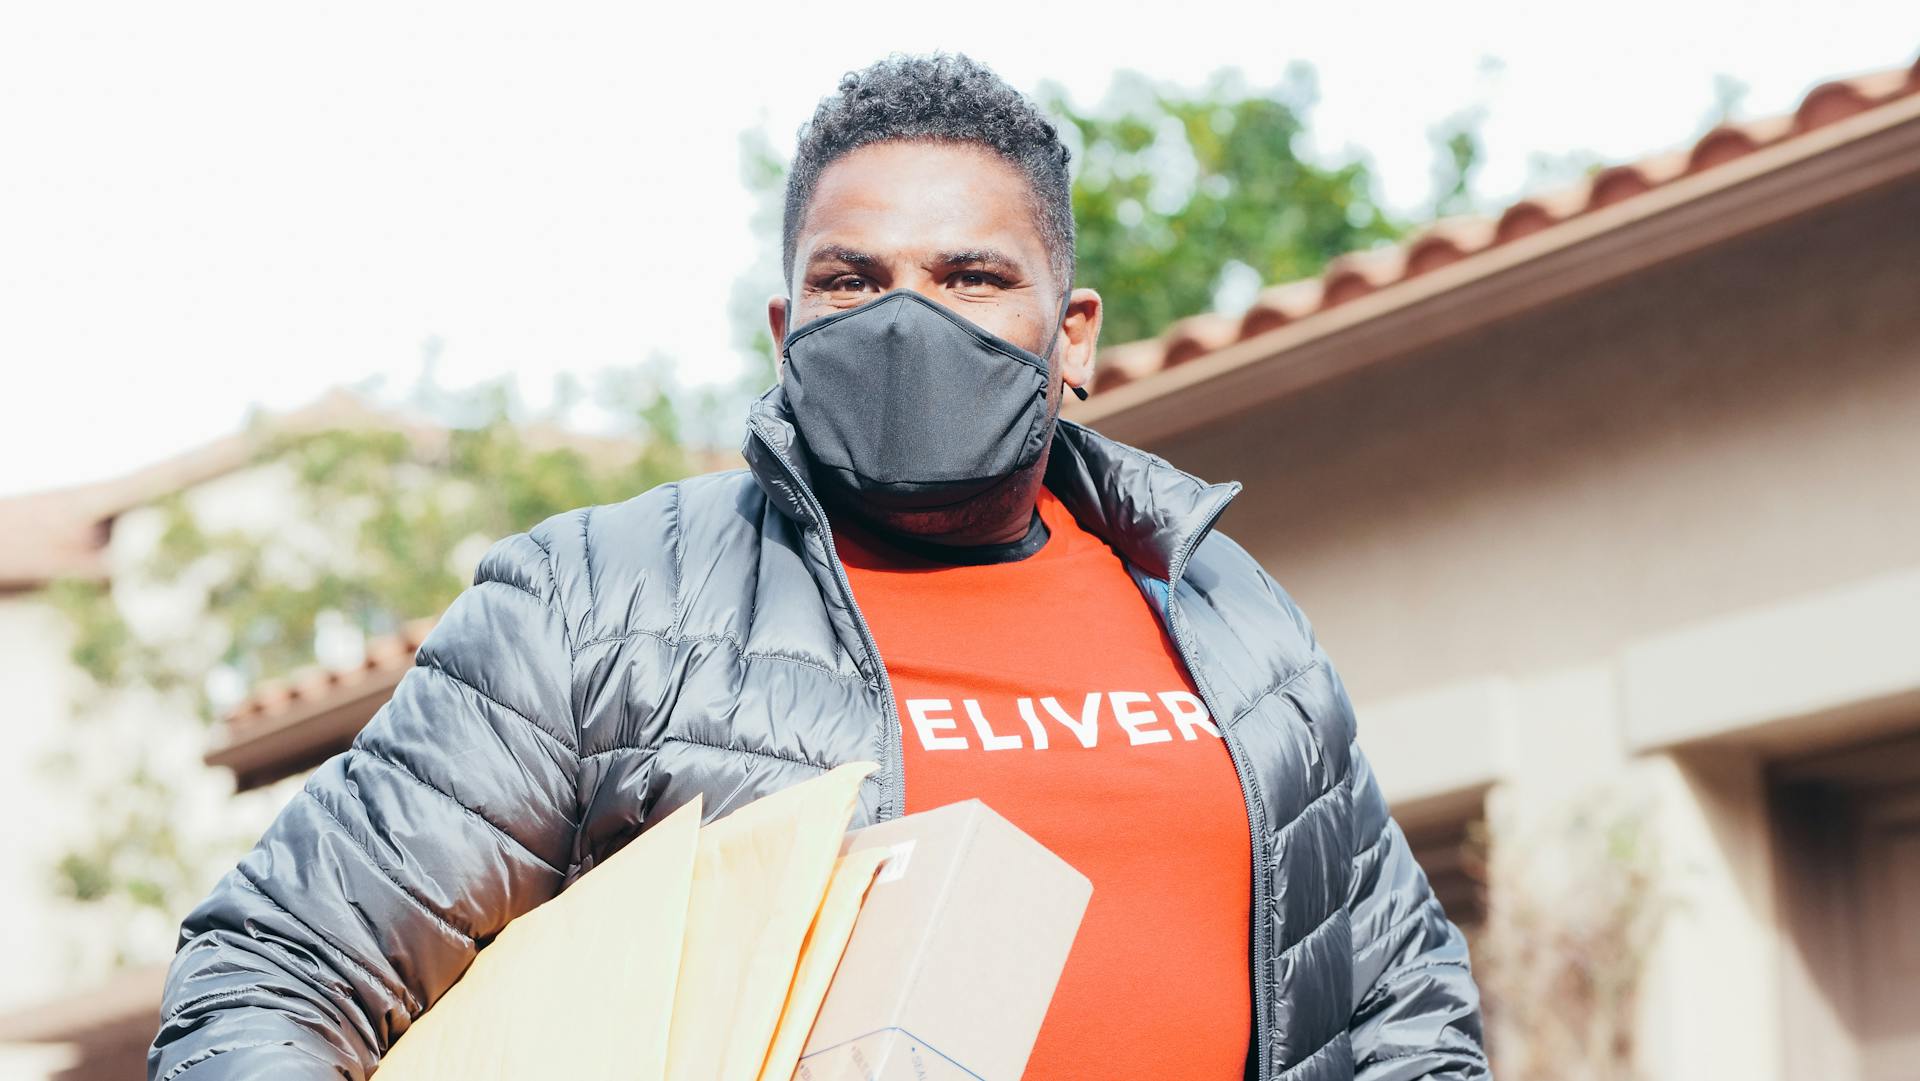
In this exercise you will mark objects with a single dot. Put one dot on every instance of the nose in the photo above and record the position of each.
(926, 290)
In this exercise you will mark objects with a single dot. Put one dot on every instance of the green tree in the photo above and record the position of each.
(388, 523)
(1179, 195)
(1181, 199)
(1729, 97)
(763, 172)
(1457, 154)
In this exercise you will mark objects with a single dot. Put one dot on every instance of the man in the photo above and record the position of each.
(1064, 635)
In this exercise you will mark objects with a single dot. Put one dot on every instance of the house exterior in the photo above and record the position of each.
(89, 976)
(1621, 491)
(1613, 497)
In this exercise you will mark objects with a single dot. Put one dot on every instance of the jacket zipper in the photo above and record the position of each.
(1256, 833)
(890, 736)
(896, 774)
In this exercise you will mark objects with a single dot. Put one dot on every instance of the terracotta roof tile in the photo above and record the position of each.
(1448, 240)
(1198, 335)
(1451, 240)
(62, 532)
(277, 703)
(1281, 304)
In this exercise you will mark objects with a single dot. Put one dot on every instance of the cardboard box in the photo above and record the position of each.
(954, 956)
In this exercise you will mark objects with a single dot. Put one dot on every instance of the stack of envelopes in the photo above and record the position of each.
(693, 954)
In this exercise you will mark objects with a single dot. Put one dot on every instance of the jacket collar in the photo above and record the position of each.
(1153, 514)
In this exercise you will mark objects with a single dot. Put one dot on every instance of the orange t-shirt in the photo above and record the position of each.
(1046, 687)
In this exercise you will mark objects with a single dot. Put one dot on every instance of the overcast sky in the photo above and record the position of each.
(210, 206)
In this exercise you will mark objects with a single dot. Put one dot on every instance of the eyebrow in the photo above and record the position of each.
(840, 255)
(978, 256)
(835, 253)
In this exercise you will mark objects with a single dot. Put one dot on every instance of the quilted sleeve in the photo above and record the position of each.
(1417, 1010)
(452, 812)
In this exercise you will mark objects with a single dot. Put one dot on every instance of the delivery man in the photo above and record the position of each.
(925, 566)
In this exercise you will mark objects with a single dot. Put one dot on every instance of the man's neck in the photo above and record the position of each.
(1001, 516)
(972, 555)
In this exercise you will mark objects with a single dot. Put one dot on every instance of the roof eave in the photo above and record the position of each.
(304, 738)
(1774, 184)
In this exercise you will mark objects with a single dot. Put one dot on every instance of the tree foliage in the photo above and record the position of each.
(1184, 200)
(381, 524)
(1179, 195)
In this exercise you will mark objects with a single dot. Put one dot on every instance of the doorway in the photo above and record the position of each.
(1848, 824)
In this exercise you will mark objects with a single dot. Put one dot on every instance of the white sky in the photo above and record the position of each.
(209, 206)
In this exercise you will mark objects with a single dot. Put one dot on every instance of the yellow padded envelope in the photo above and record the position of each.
(826, 942)
(759, 879)
(581, 987)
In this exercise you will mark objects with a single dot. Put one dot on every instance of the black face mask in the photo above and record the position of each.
(908, 405)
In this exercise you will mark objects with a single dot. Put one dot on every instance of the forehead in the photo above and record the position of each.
(906, 197)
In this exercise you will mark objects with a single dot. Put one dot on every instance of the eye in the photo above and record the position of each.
(850, 283)
(975, 282)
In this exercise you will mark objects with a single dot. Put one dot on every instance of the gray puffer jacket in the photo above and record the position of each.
(701, 638)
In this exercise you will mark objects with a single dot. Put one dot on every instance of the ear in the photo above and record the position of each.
(1082, 331)
(777, 326)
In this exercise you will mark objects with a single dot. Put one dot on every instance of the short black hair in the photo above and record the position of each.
(948, 98)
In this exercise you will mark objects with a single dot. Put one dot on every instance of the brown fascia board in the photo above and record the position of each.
(1875, 148)
(264, 754)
